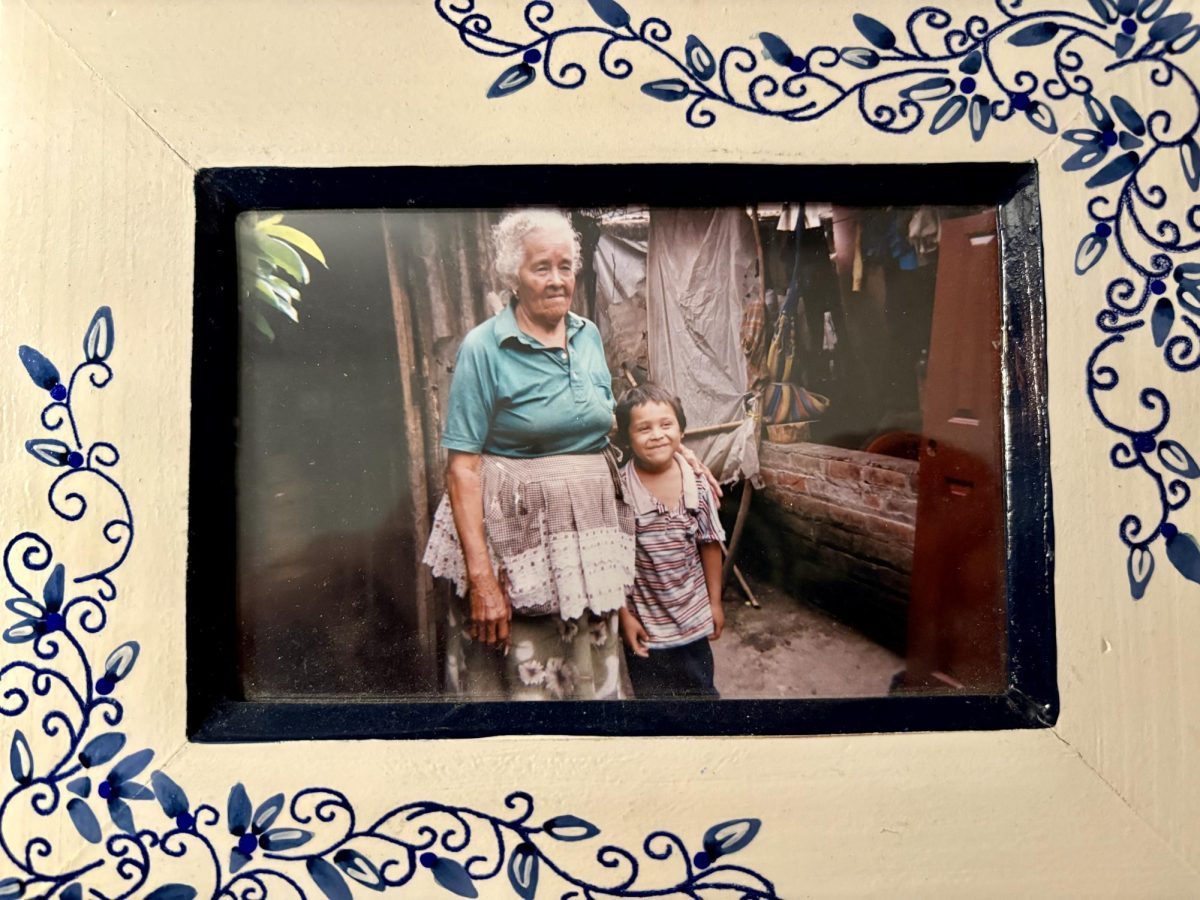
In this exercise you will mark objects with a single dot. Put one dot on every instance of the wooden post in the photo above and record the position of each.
(739, 525)
(414, 436)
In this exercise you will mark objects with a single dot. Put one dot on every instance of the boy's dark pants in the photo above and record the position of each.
(685, 671)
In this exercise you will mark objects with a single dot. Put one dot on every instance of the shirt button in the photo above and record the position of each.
(563, 355)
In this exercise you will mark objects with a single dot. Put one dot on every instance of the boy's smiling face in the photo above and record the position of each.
(654, 434)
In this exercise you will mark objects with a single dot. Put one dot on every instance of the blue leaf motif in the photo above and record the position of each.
(948, 114)
(285, 838)
(1123, 44)
(20, 759)
(730, 837)
(358, 868)
(1104, 10)
(131, 791)
(237, 859)
(25, 630)
(611, 13)
(1041, 117)
(1085, 157)
(1126, 7)
(101, 749)
(51, 452)
(1183, 552)
(512, 80)
(1090, 249)
(172, 892)
(570, 828)
(266, 814)
(1185, 40)
(1162, 320)
(73, 892)
(122, 815)
(1032, 35)
(171, 798)
(98, 341)
(11, 888)
(84, 820)
(668, 89)
(699, 59)
(979, 116)
(1097, 113)
(52, 593)
(523, 870)
(876, 33)
(26, 608)
(328, 879)
(860, 57)
(1139, 567)
(40, 369)
(131, 765)
(1115, 170)
(929, 89)
(1174, 456)
(1129, 116)
(120, 662)
(971, 63)
(453, 877)
(1149, 10)
(1189, 159)
(81, 786)
(776, 48)
(238, 810)
(1170, 26)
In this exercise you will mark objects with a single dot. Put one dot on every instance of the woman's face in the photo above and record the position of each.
(546, 279)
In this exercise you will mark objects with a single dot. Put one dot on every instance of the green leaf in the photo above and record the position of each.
(297, 238)
(267, 293)
(261, 323)
(283, 256)
(283, 289)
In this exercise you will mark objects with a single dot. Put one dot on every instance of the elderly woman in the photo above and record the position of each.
(532, 530)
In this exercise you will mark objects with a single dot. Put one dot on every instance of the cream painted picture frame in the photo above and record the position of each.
(110, 109)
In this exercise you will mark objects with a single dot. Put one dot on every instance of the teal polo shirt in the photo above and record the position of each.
(511, 395)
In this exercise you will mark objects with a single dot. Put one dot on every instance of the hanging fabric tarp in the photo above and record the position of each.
(620, 266)
(700, 274)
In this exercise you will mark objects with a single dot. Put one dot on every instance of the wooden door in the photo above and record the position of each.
(957, 616)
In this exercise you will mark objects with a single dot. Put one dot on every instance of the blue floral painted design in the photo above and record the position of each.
(312, 845)
(944, 73)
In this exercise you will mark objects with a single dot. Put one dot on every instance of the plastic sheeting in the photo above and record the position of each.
(701, 269)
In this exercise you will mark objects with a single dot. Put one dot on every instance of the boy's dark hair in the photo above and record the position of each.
(647, 392)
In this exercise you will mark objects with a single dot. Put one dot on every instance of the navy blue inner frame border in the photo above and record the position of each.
(215, 711)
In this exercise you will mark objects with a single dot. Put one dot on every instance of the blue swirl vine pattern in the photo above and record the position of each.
(944, 72)
(74, 763)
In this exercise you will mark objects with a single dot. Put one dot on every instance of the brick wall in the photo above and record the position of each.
(836, 527)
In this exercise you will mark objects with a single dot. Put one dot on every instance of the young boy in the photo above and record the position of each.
(675, 609)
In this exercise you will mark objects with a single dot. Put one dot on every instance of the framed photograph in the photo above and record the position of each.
(845, 358)
(368, 368)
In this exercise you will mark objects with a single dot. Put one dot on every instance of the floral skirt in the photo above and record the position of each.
(549, 658)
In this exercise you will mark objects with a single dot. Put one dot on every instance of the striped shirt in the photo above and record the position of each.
(670, 597)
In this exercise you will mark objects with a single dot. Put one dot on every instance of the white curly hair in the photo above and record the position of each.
(508, 238)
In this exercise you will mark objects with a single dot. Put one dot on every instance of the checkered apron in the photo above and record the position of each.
(558, 535)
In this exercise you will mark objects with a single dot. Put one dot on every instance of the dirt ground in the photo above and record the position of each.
(788, 649)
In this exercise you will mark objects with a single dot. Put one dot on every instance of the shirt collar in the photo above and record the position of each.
(507, 328)
(644, 502)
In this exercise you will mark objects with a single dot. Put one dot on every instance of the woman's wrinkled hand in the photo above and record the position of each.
(700, 468)
(490, 611)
